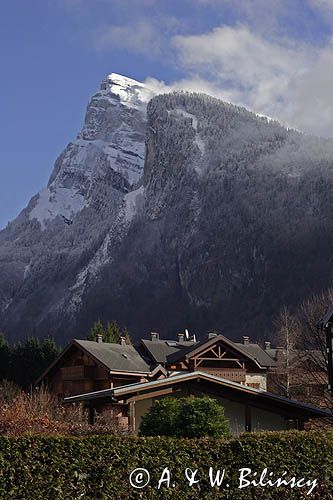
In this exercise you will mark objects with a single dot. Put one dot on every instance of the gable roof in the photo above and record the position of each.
(161, 350)
(255, 396)
(166, 351)
(250, 351)
(258, 353)
(113, 357)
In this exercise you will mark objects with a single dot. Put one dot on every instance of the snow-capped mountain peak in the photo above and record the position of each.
(131, 93)
(110, 145)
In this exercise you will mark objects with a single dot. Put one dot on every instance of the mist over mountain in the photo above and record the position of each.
(169, 212)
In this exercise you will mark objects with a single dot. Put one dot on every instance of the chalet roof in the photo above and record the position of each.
(263, 358)
(115, 356)
(251, 351)
(161, 350)
(255, 396)
(166, 351)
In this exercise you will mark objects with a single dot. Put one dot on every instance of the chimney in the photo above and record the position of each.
(246, 340)
(99, 338)
(267, 346)
(181, 337)
(279, 355)
(122, 340)
(154, 336)
(211, 335)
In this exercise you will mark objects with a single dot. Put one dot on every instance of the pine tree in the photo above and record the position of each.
(96, 329)
(127, 336)
(112, 332)
(4, 357)
(16, 368)
(50, 351)
(32, 361)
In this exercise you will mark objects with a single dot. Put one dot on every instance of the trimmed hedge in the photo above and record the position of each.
(98, 467)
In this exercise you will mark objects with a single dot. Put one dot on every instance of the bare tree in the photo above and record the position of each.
(287, 329)
(313, 342)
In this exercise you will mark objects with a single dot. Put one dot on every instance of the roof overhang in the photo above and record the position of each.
(223, 387)
(54, 363)
(128, 372)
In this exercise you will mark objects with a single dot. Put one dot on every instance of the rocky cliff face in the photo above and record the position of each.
(66, 232)
(228, 218)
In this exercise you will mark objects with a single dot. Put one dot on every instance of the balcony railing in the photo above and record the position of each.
(234, 374)
(77, 372)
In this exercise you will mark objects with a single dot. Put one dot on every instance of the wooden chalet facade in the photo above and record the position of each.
(86, 366)
(124, 380)
(244, 363)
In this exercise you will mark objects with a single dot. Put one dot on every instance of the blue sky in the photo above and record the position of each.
(273, 56)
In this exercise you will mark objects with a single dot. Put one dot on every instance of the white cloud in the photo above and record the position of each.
(286, 80)
(141, 37)
(310, 98)
(191, 84)
(251, 70)
(254, 64)
(327, 4)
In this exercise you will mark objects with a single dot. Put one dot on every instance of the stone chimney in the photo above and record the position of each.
(99, 338)
(181, 337)
(211, 335)
(267, 345)
(246, 340)
(122, 340)
(154, 336)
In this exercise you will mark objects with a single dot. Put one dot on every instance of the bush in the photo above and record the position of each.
(39, 412)
(99, 467)
(200, 417)
(185, 417)
(161, 419)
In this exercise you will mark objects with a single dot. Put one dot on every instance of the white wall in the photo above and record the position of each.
(255, 378)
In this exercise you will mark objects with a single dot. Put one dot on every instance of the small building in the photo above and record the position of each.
(124, 380)
(246, 408)
(86, 366)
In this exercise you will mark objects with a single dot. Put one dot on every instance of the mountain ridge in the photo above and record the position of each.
(168, 224)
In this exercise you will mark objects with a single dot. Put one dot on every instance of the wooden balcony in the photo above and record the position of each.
(234, 374)
(79, 372)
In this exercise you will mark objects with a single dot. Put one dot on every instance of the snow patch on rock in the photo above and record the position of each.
(50, 204)
(132, 201)
(197, 140)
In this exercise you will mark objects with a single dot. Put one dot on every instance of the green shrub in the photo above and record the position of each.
(185, 417)
(201, 417)
(99, 467)
(161, 419)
